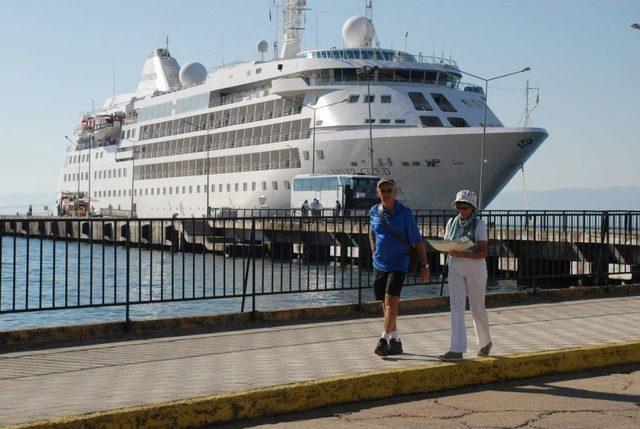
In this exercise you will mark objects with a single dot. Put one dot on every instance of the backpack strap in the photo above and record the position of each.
(392, 230)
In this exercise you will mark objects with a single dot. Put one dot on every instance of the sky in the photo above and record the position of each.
(58, 56)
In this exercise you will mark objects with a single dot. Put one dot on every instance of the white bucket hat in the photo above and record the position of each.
(466, 196)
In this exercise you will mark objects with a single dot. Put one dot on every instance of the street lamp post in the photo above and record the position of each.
(79, 159)
(369, 70)
(208, 169)
(484, 122)
(89, 186)
(133, 174)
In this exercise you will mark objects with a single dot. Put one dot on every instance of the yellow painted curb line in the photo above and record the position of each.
(303, 396)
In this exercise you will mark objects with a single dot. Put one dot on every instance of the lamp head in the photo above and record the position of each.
(636, 26)
(526, 69)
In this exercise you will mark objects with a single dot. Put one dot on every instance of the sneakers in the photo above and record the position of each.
(382, 349)
(395, 347)
(484, 352)
(450, 356)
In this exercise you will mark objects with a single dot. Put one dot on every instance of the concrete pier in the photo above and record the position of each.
(529, 251)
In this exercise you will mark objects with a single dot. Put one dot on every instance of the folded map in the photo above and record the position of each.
(446, 246)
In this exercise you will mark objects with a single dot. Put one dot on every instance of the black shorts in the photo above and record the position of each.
(387, 283)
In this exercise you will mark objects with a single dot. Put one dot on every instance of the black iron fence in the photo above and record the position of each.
(61, 263)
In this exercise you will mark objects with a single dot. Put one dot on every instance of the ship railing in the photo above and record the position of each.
(227, 144)
(224, 122)
(331, 81)
(227, 66)
(218, 169)
(75, 263)
(129, 120)
(241, 96)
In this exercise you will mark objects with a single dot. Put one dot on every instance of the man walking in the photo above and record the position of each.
(393, 234)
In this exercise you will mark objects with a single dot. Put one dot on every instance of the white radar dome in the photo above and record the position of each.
(192, 74)
(358, 32)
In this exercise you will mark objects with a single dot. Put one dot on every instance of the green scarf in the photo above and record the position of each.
(464, 227)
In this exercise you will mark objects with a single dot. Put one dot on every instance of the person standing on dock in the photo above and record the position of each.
(467, 277)
(393, 235)
(316, 208)
(305, 208)
(337, 211)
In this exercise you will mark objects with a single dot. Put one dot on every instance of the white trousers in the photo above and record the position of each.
(468, 277)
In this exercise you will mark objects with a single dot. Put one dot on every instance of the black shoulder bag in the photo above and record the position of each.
(414, 259)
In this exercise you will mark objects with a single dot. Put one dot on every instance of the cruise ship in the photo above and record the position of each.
(188, 139)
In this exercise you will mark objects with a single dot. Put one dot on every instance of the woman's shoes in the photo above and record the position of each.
(450, 356)
(484, 352)
(456, 356)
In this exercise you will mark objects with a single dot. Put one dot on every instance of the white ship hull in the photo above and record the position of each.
(428, 166)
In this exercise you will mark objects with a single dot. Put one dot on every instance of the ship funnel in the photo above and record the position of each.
(160, 73)
(292, 25)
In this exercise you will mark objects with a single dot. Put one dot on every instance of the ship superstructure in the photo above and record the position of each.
(187, 140)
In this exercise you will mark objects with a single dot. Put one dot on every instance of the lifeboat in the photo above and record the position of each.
(104, 129)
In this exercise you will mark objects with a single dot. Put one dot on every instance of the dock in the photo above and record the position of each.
(225, 376)
(591, 247)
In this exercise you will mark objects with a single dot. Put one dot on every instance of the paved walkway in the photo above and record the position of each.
(66, 381)
(596, 399)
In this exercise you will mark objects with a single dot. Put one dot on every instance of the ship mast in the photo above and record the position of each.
(293, 17)
(528, 109)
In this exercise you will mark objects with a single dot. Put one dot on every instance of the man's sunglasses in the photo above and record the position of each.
(386, 190)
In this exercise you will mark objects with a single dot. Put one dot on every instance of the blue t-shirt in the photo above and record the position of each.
(390, 253)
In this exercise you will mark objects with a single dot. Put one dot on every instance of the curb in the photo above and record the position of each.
(304, 396)
(117, 331)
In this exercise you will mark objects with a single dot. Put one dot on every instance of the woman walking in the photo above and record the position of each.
(467, 277)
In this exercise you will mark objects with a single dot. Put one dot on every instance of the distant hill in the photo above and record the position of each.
(611, 198)
(19, 203)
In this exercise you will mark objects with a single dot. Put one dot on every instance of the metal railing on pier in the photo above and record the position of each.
(50, 263)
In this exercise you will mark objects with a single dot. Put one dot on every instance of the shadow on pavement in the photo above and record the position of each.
(537, 385)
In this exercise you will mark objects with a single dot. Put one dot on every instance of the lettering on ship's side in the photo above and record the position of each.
(377, 171)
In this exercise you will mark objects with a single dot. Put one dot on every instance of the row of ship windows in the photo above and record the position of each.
(359, 74)
(271, 160)
(189, 189)
(73, 159)
(223, 118)
(285, 158)
(282, 131)
(99, 174)
(128, 134)
(201, 101)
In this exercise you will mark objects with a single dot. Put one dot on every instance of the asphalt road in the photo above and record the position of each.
(608, 398)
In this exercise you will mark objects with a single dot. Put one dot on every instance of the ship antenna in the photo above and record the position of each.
(368, 7)
(275, 38)
(528, 109)
(166, 44)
